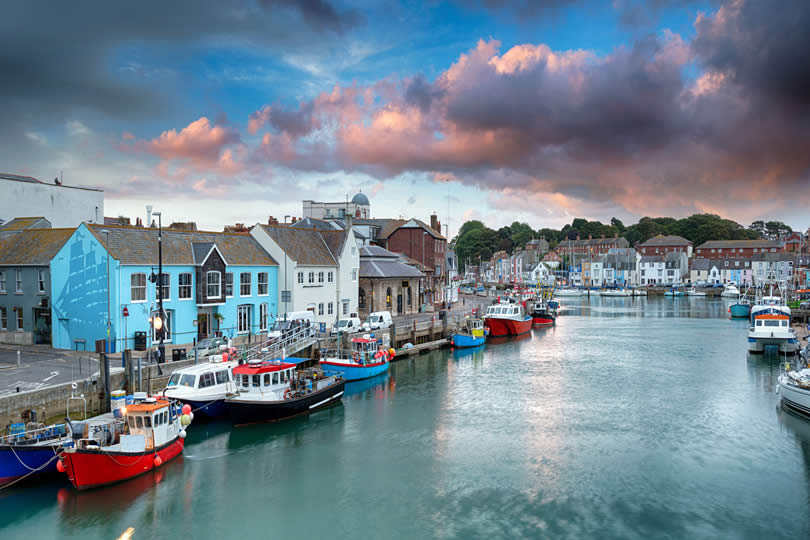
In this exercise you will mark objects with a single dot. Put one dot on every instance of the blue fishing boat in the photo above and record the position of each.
(740, 310)
(368, 357)
(674, 292)
(471, 333)
(29, 453)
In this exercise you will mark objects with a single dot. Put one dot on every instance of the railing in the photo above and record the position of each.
(289, 343)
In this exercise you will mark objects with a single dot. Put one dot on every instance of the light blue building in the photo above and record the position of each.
(214, 283)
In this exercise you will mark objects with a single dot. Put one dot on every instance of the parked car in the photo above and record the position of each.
(208, 346)
(291, 319)
(348, 325)
(804, 304)
(378, 320)
(701, 284)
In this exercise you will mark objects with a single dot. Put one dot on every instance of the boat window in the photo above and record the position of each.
(139, 422)
(771, 323)
(784, 323)
(245, 380)
(158, 419)
(759, 323)
(256, 380)
(206, 380)
(174, 379)
(267, 379)
(284, 376)
(222, 376)
(131, 420)
(147, 421)
(188, 380)
(275, 378)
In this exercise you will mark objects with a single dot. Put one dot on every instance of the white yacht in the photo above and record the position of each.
(568, 292)
(730, 291)
(616, 292)
(691, 291)
(794, 387)
(770, 326)
(204, 386)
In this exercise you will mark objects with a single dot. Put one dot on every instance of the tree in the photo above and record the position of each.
(617, 224)
(777, 229)
(758, 227)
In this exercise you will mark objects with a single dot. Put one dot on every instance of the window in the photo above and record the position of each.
(3, 318)
(2, 282)
(331, 308)
(388, 297)
(736, 263)
(166, 289)
(222, 376)
(138, 287)
(354, 250)
(773, 250)
(19, 281)
(320, 277)
(330, 277)
(213, 282)
(147, 421)
(267, 379)
(184, 286)
(206, 380)
(747, 263)
(354, 274)
(345, 308)
(300, 278)
(243, 319)
(228, 284)
(725, 263)
(139, 422)
(263, 317)
(311, 277)
(320, 308)
(361, 299)
(244, 284)
(19, 318)
(275, 377)
(264, 282)
(257, 379)
(167, 326)
(41, 281)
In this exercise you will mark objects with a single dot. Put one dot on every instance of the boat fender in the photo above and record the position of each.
(182, 434)
(158, 461)
(60, 466)
(287, 393)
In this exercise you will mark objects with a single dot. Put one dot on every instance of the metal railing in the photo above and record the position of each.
(290, 342)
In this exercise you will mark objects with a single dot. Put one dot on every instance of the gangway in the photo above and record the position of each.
(290, 342)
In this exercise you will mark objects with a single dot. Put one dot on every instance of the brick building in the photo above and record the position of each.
(738, 248)
(425, 244)
(660, 245)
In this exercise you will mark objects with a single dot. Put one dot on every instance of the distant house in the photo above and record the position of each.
(705, 270)
(676, 265)
(387, 283)
(213, 283)
(25, 283)
(737, 248)
(539, 245)
(660, 245)
(552, 257)
(770, 266)
(621, 267)
(542, 275)
(793, 242)
(580, 250)
(426, 244)
(651, 270)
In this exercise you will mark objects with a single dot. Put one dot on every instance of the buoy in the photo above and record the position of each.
(60, 466)
(158, 462)
(185, 420)
(224, 357)
(182, 433)
(191, 416)
(391, 351)
(186, 408)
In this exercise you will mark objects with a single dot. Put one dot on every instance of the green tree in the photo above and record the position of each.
(617, 224)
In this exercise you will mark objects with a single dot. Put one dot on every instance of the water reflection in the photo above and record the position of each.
(360, 389)
(799, 428)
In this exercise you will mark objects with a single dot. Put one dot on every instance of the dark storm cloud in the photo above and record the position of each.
(419, 92)
(320, 13)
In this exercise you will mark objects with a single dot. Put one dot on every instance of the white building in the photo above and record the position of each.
(318, 270)
(63, 206)
(358, 207)
(651, 269)
(542, 274)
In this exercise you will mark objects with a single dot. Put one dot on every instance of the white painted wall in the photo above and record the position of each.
(347, 288)
(63, 206)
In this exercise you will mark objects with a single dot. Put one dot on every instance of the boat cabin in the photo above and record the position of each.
(364, 349)
(153, 421)
(504, 310)
(262, 378)
(201, 376)
(771, 321)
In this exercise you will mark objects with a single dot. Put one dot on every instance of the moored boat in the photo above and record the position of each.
(470, 333)
(109, 449)
(794, 387)
(568, 292)
(691, 291)
(368, 357)
(542, 315)
(507, 320)
(674, 292)
(274, 391)
(203, 386)
(770, 326)
(639, 292)
(621, 292)
(730, 290)
(30, 452)
(741, 309)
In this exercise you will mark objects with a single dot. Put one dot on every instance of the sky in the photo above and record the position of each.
(537, 111)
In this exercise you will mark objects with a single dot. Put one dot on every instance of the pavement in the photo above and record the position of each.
(40, 368)
(465, 304)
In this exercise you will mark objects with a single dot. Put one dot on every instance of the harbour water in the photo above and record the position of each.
(631, 418)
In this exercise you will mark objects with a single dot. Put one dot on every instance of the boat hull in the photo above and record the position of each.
(206, 410)
(17, 461)
(462, 340)
(784, 345)
(508, 327)
(244, 412)
(793, 397)
(740, 311)
(354, 372)
(88, 469)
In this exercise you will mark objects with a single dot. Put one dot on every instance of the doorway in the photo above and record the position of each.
(399, 304)
(202, 326)
(42, 326)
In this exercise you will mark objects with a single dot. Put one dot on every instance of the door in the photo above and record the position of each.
(399, 304)
(42, 326)
(202, 326)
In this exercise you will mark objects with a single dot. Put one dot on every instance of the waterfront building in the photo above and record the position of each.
(737, 248)
(214, 283)
(651, 269)
(676, 265)
(542, 274)
(318, 270)
(705, 270)
(387, 283)
(25, 283)
(580, 249)
(778, 266)
(425, 243)
(358, 207)
(538, 245)
(62, 205)
(660, 245)
(621, 267)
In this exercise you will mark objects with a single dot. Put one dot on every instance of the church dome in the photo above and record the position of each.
(361, 199)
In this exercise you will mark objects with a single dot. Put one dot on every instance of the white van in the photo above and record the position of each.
(349, 325)
(378, 320)
(300, 317)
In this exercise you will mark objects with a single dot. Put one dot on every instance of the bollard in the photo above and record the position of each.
(18, 359)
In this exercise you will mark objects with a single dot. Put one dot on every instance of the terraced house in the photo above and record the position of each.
(213, 283)
(25, 283)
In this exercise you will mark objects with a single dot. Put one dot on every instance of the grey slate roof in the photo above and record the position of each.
(200, 250)
(139, 246)
(728, 244)
(379, 263)
(651, 259)
(23, 223)
(669, 240)
(34, 247)
(304, 246)
(621, 242)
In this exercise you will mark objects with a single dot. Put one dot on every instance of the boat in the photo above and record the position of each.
(770, 326)
(617, 292)
(553, 305)
(270, 391)
(366, 358)
(108, 449)
(568, 292)
(691, 291)
(741, 309)
(730, 290)
(639, 292)
(470, 333)
(674, 292)
(793, 386)
(542, 315)
(203, 386)
(507, 320)
(31, 450)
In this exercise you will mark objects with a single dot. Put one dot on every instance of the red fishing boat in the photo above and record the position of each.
(109, 449)
(507, 320)
(542, 314)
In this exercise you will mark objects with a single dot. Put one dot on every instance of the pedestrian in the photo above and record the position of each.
(463, 302)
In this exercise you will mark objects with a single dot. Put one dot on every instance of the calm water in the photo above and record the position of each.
(632, 418)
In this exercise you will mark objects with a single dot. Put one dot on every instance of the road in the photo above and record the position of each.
(40, 369)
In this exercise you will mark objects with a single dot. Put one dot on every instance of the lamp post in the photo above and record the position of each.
(285, 293)
(109, 324)
(161, 315)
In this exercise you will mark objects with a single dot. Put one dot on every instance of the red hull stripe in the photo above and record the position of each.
(88, 469)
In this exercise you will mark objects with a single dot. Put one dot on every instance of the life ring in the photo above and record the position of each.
(288, 393)
(356, 356)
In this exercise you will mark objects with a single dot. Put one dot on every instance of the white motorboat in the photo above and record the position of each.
(204, 386)
(568, 292)
(770, 326)
(691, 291)
(794, 387)
(730, 291)
(616, 292)
(639, 292)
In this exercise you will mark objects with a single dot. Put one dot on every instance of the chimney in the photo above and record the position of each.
(590, 237)
(603, 237)
(577, 237)
(272, 221)
(434, 223)
(148, 214)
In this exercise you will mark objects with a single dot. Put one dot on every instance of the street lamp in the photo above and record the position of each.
(285, 294)
(159, 326)
(107, 246)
